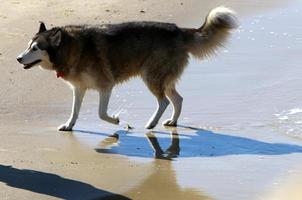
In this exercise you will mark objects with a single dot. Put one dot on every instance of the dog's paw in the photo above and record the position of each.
(112, 120)
(150, 125)
(115, 120)
(65, 127)
(170, 122)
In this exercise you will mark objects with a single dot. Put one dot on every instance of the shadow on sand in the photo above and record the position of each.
(53, 185)
(200, 143)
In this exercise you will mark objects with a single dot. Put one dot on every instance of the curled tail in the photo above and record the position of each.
(213, 33)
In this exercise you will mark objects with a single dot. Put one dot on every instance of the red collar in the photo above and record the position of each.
(60, 74)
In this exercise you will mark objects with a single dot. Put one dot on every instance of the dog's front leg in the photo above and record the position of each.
(103, 107)
(78, 94)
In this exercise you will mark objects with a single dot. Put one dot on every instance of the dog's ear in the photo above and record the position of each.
(56, 38)
(42, 27)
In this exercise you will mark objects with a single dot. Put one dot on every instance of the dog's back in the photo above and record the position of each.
(137, 48)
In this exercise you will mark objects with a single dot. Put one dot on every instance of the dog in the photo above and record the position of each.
(102, 56)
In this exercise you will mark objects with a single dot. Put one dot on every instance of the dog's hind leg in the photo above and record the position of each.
(78, 94)
(162, 104)
(176, 101)
(103, 107)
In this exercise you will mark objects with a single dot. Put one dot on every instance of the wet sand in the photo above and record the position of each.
(239, 136)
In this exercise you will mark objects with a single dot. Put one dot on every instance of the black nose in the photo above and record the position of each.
(19, 59)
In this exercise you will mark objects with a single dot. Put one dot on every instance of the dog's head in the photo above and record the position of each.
(40, 48)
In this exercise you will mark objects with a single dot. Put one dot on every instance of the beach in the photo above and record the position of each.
(239, 134)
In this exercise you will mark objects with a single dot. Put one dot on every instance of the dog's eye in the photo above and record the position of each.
(35, 48)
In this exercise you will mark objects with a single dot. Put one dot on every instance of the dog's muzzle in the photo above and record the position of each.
(27, 66)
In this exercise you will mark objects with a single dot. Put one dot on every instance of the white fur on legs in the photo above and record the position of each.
(176, 101)
(78, 94)
(103, 107)
(161, 107)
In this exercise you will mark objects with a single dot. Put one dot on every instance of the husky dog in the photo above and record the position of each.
(101, 56)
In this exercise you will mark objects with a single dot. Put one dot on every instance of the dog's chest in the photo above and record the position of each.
(89, 81)
(83, 80)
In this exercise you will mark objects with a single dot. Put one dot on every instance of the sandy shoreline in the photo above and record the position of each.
(239, 149)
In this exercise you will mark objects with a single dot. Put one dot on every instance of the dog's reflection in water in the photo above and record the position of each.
(171, 152)
(122, 143)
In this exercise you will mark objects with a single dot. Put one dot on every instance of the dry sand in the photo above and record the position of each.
(243, 105)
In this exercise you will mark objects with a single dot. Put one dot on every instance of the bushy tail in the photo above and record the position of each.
(213, 33)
